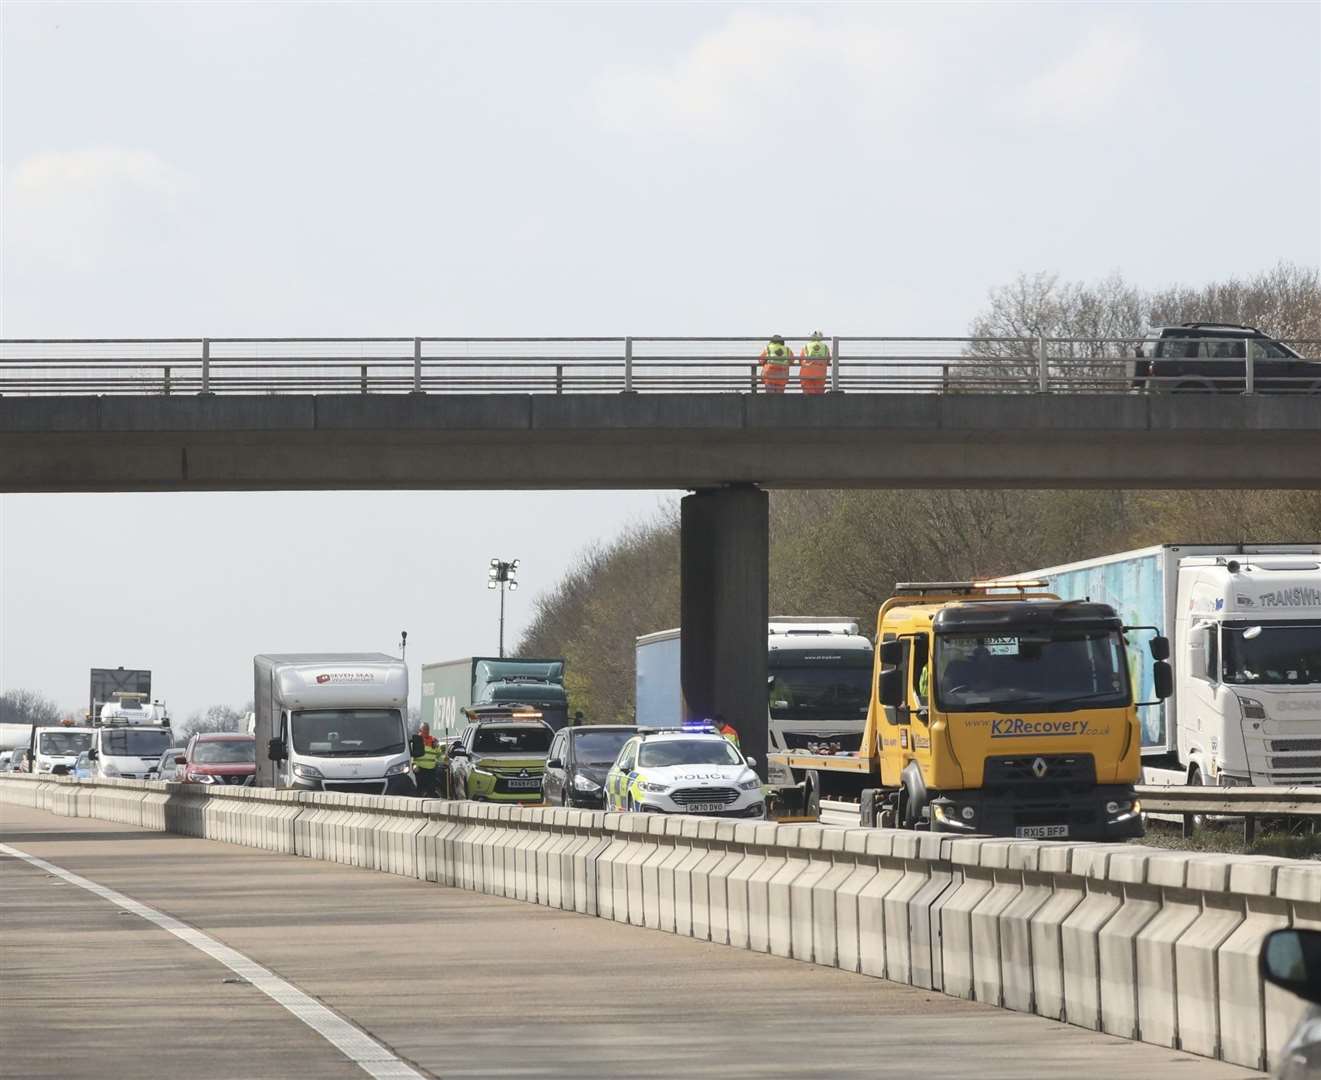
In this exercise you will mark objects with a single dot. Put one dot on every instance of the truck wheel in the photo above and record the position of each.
(867, 814)
(812, 794)
(910, 811)
(1195, 779)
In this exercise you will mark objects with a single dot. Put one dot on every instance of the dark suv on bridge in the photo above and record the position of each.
(1213, 357)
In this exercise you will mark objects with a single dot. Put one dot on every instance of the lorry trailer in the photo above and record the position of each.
(1011, 715)
(1244, 622)
(451, 686)
(333, 722)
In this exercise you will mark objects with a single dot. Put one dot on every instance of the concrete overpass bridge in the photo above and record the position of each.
(501, 413)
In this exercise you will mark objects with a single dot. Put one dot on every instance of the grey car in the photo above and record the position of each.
(165, 768)
(1291, 959)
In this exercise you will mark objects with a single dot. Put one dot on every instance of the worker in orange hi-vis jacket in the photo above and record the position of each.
(776, 360)
(813, 362)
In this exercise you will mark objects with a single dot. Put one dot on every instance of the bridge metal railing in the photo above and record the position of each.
(574, 365)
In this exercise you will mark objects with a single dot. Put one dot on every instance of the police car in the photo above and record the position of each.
(684, 771)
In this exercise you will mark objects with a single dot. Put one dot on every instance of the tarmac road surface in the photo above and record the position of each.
(439, 982)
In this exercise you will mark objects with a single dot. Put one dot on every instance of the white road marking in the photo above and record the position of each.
(360, 1048)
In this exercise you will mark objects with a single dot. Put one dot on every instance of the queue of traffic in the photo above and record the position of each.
(995, 707)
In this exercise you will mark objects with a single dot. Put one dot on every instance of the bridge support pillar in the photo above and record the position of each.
(724, 575)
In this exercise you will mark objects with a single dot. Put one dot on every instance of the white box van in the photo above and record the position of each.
(333, 722)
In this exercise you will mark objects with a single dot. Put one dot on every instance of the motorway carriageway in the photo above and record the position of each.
(439, 982)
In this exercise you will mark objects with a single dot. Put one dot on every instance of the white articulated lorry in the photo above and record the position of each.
(333, 722)
(819, 674)
(1244, 623)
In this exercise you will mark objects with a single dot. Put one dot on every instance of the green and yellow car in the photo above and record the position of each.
(500, 759)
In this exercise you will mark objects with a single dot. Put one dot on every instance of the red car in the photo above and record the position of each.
(218, 758)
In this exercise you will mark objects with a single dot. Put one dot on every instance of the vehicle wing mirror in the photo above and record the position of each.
(1160, 647)
(752, 761)
(93, 755)
(1291, 960)
(275, 750)
(554, 763)
(891, 653)
(1163, 678)
(890, 687)
(458, 751)
(415, 746)
(179, 759)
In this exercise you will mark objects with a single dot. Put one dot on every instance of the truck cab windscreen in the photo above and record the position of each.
(820, 693)
(348, 732)
(135, 742)
(1053, 671)
(63, 743)
(1270, 654)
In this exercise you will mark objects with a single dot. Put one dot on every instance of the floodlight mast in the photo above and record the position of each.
(502, 576)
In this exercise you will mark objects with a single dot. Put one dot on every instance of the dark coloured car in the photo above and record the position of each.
(1211, 357)
(579, 759)
(218, 758)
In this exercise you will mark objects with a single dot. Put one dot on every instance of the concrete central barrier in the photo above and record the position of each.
(1147, 944)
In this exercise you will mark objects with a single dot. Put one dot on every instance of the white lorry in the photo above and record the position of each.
(1244, 623)
(333, 722)
(819, 675)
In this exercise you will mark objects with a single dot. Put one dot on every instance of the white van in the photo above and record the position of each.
(333, 722)
(58, 747)
(129, 753)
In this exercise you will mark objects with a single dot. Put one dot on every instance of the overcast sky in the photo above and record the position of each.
(234, 169)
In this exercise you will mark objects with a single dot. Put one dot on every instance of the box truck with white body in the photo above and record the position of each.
(333, 722)
(1244, 623)
(819, 679)
(451, 686)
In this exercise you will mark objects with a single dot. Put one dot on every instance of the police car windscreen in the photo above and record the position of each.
(1047, 672)
(1264, 654)
(512, 740)
(600, 747)
(662, 753)
(134, 742)
(349, 732)
(64, 742)
(225, 751)
(820, 693)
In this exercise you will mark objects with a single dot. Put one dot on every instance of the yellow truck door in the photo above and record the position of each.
(905, 734)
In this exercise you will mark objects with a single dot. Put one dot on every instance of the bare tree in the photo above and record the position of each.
(214, 718)
(28, 707)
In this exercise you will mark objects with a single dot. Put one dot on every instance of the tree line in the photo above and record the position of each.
(840, 552)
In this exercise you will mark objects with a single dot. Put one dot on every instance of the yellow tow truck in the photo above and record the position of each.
(995, 709)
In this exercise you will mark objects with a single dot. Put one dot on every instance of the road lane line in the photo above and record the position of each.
(372, 1057)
